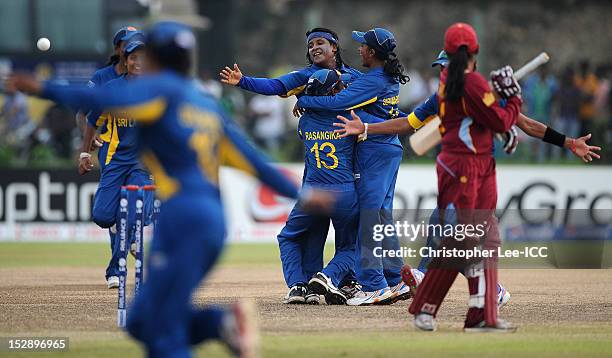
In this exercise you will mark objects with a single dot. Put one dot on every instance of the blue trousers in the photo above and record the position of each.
(106, 204)
(302, 240)
(186, 244)
(377, 165)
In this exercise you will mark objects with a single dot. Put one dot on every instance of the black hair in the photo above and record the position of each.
(339, 61)
(393, 67)
(114, 58)
(175, 59)
(456, 74)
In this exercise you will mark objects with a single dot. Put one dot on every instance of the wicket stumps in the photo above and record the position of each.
(124, 229)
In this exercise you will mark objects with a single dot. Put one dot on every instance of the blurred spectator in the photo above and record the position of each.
(603, 111)
(587, 82)
(211, 85)
(569, 105)
(413, 92)
(15, 123)
(268, 113)
(58, 130)
(539, 90)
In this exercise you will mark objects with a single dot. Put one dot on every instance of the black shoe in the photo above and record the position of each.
(312, 298)
(296, 295)
(322, 285)
(350, 289)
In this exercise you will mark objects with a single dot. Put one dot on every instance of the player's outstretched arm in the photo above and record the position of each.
(356, 126)
(266, 86)
(136, 99)
(357, 95)
(578, 146)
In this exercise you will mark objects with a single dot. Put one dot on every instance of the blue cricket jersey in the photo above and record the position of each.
(292, 83)
(328, 159)
(120, 133)
(183, 134)
(103, 75)
(375, 92)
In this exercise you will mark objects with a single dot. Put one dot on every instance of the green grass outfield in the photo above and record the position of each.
(594, 340)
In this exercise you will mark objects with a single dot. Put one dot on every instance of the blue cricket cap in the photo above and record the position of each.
(132, 46)
(442, 60)
(170, 36)
(322, 82)
(134, 36)
(380, 39)
(121, 34)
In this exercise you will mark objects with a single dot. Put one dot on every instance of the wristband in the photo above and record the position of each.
(553, 137)
(84, 155)
(573, 146)
(365, 132)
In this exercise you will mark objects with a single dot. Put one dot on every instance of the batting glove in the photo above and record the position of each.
(509, 139)
(504, 82)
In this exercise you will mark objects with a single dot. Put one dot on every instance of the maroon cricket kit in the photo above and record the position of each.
(466, 179)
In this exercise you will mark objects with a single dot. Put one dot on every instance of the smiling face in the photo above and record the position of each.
(135, 62)
(366, 54)
(322, 52)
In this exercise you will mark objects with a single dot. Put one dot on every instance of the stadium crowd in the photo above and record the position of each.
(575, 100)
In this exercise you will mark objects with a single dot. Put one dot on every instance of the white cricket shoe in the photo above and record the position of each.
(399, 292)
(363, 298)
(112, 282)
(425, 322)
(412, 278)
(240, 331)
(501, 326)
(503, 296)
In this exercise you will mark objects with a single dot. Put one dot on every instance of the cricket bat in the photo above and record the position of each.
(429, 135)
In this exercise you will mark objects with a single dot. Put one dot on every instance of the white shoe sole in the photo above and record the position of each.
(490, 330)
(379, 300)
(504, 301)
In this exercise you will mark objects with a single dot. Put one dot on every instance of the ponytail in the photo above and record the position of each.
(392, 66)
(456, 74)
(113, 60)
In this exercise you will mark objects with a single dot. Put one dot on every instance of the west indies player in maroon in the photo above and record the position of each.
(470, 116)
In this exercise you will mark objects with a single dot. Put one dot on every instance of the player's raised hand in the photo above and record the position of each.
(23, 82)
(349, 127)
(231, 76)
(582, 149)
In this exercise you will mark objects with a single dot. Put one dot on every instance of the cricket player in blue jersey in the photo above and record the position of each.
(115, 67)
(377, 160)
(184, 136)
(120, 165)
(328, 165)
(323, 52)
